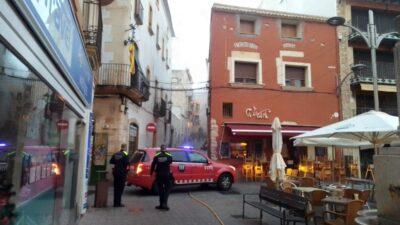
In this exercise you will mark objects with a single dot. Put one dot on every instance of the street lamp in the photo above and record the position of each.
(372, 39)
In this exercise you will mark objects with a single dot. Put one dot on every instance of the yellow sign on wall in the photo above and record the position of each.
(132, 59)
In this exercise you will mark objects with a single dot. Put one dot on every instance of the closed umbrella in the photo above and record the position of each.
(375, 127)
(277, 166)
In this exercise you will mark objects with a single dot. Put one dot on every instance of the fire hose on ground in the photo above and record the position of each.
(208, 207)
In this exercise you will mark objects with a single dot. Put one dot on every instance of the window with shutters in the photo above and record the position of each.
(227, 109)
(158, 38)
(246, 72)
(295, 76)
(291, 29)
(247, 26)
(150, 24)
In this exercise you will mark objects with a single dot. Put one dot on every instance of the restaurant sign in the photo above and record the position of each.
(57, 28)
(253, 112)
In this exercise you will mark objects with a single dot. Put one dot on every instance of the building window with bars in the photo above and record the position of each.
(246, 72)
(227, 109)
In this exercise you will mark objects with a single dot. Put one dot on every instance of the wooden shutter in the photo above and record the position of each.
(295, 76)
(245, 72)
(289, 30)
(247, 27)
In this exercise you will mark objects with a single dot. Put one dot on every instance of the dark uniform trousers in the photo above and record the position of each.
(119, 185)
(164, 184)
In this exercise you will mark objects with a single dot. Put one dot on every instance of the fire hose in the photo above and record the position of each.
(208, 207)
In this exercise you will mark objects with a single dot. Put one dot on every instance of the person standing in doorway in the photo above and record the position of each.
(161, 165)
(120, 160)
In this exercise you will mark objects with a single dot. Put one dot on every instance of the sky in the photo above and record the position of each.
(191, 21)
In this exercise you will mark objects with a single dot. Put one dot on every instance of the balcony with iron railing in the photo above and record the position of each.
(385, 68)
(384, 21)
(92, 30)
(116, 78)
(160, 108)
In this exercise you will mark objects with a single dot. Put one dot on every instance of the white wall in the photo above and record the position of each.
(117, 17)
(324, 8)
(181, 79)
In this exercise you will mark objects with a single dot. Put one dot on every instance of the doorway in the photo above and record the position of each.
(133, 138)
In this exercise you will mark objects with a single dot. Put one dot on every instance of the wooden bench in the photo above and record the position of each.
(284, 206)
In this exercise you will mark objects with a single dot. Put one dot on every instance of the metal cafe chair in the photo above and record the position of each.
(258, 172)
(247, 171)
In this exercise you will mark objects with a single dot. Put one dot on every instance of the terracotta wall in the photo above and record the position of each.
(319, 47)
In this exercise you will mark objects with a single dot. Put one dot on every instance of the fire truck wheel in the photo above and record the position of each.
(224, 182)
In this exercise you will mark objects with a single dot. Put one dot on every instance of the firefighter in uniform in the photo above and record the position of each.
(120, 160)
(161, 165)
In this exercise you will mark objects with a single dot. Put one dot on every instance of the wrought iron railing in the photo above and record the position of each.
(160, 108)
(93, 24)
(113, 74)
(385, 68)
(384, 21)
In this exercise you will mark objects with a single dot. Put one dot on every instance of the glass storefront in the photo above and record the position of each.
(39, 152)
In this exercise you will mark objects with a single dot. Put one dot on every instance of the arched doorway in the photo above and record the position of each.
(133, 138)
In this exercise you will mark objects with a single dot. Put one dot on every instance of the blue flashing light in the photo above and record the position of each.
(187, 147)
(3, 144)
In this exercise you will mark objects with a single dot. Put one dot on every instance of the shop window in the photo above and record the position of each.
(225, 150)
(290, 30)
(246, 72)
(247, 26)
(39, 146)
(227, 110)
(295, 76)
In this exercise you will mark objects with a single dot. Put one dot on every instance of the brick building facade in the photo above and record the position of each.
(266, 64)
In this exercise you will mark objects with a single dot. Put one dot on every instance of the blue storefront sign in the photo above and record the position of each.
(55, 23)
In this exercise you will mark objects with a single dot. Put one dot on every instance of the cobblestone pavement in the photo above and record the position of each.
(184, 210)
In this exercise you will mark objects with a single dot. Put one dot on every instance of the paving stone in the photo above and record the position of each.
(184, 210)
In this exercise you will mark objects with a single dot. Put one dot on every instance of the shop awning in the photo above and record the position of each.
(263, 130)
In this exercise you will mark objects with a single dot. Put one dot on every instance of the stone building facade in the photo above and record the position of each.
(133, 82)
(356, 91)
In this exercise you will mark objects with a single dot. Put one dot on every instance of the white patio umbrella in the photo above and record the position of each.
(375, 127)
(278, 165)
(331, 142)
